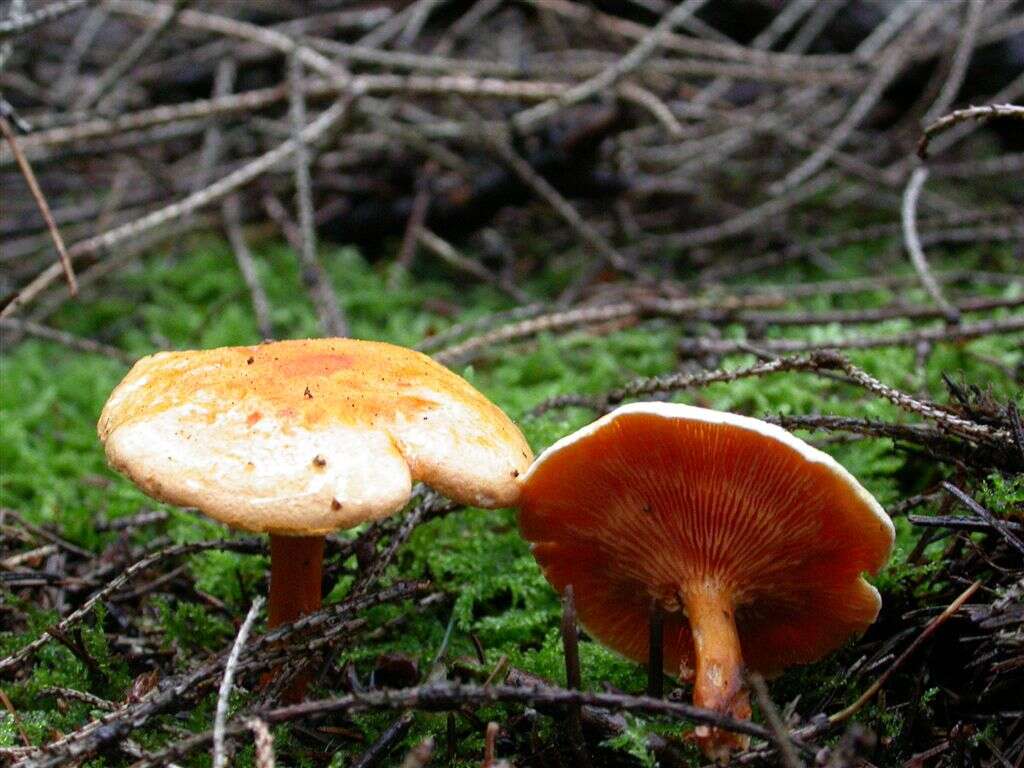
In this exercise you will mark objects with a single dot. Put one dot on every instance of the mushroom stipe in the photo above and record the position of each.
(751, 543)
(301, 438)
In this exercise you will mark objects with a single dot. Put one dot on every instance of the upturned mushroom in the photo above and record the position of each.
(753, 542)
(301, 438)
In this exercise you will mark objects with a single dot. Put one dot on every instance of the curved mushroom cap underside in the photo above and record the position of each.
(307, 437)
(658, 498)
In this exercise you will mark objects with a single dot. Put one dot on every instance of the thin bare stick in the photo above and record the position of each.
(730, 51)
(672, 382)
(391, 736)
(213, 140)
(199, 109)
(888, 68)
(51, 12)
(15, 9)
(332, 321)
(530, 327)
(44, 207)
(960, 332)
(8, 111)
(70, 693)
(1001, 526)
(461, 330)
(912, 241)
(968, 38)
(231, 210)
(263, 742)
(84, 38)
(655, 649)
(530, 118)
(260, 98)
(417, 20)
(814, 26)
(418, 215)
(392, 26)
(220, 757)
(743, 222)
(946, 420)
(779, 26)
(987, 112)
(447, 253)
(821, 362)
(927, 632)
(1007, 95)
(461, 28)
(573, 676)
(563, 207)
(414, 61)
(130, 57)
(659, 110)
(446, 694)
(787, 752)
(490, 751)
(9, 706)
(958, 523)
(45, 332)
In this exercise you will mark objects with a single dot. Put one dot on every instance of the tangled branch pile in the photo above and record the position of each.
(649, 140)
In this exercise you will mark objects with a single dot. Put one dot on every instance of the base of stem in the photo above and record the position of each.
(718, 684)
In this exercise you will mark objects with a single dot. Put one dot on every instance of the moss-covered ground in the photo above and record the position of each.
(54, 474)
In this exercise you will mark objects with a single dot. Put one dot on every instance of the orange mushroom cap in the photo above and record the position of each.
(306, 437)
(676, 503)
(655, 493)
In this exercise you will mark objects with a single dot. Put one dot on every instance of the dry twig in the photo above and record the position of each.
(332, 321)
(527, 120)
(264, 742)
(50, 12)
(44, 207)
(987, 112)
(848, 712)
(220, 756)
(913, 243)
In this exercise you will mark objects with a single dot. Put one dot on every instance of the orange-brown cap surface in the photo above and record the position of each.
(664, 500)
(306, 437)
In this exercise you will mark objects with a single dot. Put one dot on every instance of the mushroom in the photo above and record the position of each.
(751, 541)
(302, 438)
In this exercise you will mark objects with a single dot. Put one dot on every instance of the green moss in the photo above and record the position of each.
(191, 627)
(633, 741)
(54, 470)
(1003, 496)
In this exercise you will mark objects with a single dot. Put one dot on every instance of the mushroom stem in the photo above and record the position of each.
(296, 564)
(719, 675)
(296, 567)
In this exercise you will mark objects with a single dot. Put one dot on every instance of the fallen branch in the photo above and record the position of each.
(962, 332)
